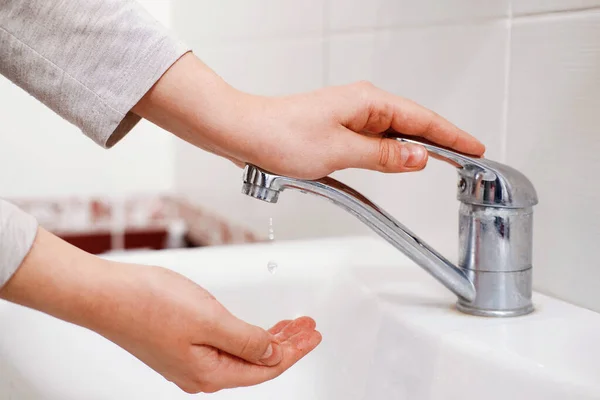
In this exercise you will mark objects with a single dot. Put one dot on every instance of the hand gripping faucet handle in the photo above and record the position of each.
(493, 276)
(481, 181)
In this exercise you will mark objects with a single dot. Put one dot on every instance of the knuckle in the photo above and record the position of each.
(364, 84)
(207, 360)
(254, 346)
(431, 125)
(209, 388)
(199, 385)
(211, 317)
(396, 158)
(380, 118)
(384, 154)
(363, 88)
(190, 388)
(390, 155)
(454, 141)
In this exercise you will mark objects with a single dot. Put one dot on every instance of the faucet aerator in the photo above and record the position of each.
(260, 193)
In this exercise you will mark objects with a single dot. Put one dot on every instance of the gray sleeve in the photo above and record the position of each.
(88, 60)
(17, 233)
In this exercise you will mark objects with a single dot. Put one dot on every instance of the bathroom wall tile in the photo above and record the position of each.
(458, 71)
(268, 67)
(159, 9)
(553, 137)
(522, 7)
(213, 21)
(43, 155)
(352, 14)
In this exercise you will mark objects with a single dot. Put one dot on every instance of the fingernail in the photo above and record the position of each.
(268, 353)
(272, 356)
(412, 155)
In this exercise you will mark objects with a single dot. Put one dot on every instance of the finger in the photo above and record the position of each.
(233, 372)
(243, 340)
(293, 349)
(296, 326)
(413, 119)
(381, 111)
(278, 327)
(378, 154)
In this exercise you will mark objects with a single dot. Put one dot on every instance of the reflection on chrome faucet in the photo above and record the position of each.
(495, 229)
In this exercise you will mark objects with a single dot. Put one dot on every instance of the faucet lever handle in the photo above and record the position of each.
(453, 157)
(482, 181)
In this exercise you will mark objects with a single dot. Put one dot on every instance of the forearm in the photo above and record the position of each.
(123, 302)
(197, 105)
(68, 283)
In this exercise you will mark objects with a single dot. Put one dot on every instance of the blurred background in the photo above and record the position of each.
(521, 75)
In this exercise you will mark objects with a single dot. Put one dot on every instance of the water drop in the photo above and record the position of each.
(272, 266)
(271, 231)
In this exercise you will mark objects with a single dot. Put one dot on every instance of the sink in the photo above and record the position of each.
(389, 332)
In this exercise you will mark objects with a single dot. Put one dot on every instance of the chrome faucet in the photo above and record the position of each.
(494, 273)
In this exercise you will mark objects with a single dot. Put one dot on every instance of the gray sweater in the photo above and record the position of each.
(90, 61)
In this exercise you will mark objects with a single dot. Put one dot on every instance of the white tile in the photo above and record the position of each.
(458, 71)
(159, 9)
(273, 67)
(352, 14)
(212, 21)
(42, 155)
(554, 138)
(521, 7)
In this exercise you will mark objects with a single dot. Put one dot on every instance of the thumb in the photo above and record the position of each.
(243, 340)
(381, 154)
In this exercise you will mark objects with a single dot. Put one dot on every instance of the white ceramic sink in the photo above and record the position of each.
(389, 332)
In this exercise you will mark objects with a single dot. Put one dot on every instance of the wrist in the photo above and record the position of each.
(194, 103)
(58, 279)
(191, 101)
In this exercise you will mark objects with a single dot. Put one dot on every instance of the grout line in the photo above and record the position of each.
(325, 32)
(505, 105)
(325, 45)
(555, 13)
(216, 42)
(422, 25)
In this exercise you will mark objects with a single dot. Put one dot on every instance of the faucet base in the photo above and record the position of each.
(499, 294)
(467, 309)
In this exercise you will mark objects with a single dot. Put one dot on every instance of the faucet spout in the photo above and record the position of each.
(266, 186)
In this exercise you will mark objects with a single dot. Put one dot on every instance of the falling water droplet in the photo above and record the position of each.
(272, 266)
(271, 231)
